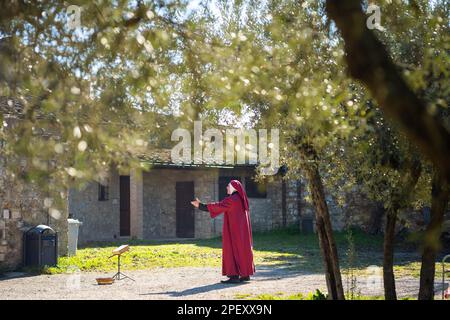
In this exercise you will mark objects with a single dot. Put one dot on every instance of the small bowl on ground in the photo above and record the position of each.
(105, 281)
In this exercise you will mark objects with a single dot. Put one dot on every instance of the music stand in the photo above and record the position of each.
(118, 252)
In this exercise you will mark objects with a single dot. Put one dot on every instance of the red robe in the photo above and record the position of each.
(237, 243)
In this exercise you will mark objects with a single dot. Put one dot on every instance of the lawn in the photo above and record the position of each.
(299, 296)
(287, 248)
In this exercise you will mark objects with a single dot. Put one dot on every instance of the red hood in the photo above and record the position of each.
(241, 191)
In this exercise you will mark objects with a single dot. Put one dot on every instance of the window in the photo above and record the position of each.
(103, 192)
(223, 182)
(255, 189)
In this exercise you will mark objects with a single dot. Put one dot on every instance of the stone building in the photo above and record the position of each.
(23, 204)
(155, 204)
(23, 207)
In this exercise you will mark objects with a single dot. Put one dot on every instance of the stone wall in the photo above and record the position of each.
(136, 204)
(22, 207)
(159, 198)
(287, 214)
(339, 215)
(355, 211)
(101, 219)
(361, 212)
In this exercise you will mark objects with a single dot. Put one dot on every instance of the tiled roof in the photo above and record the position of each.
(162, 157)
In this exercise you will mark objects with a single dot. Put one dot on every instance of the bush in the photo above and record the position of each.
(318, 295)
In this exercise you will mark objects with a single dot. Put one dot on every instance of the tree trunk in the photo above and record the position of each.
(411, 171)
(376, 215)
(388, 258)
(440, 192)
(326, 255)
(324, 229)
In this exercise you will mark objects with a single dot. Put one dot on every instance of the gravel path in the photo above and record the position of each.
(180, 283)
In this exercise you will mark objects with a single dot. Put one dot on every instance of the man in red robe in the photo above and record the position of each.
(237, 242)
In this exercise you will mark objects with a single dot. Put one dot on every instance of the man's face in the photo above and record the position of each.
(228, 189)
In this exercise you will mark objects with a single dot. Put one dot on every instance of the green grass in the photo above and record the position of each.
(274, 296)
(288, 248)
(301, 296)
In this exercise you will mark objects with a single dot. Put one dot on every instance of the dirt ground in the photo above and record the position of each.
(181, 283)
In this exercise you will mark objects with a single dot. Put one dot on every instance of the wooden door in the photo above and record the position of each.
(124, 206)
(184, 209)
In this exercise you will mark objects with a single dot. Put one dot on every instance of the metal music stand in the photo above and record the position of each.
(118, 252)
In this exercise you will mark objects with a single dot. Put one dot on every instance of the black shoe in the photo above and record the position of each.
(242, 279)
(231, 280)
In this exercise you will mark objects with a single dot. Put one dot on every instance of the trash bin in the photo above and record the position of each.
(74, 225)
(41, 246)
